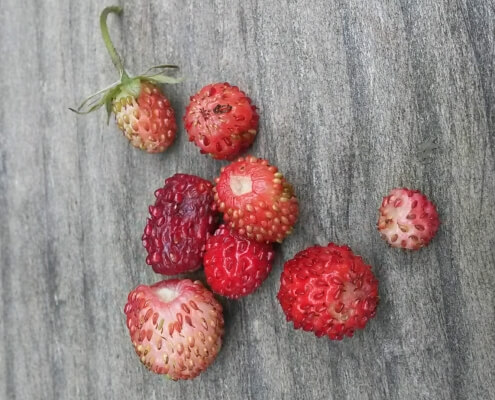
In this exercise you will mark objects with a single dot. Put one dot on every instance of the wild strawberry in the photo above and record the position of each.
(176, 327)
(147, 120)
(407, 219)
(236, 266)
(180, 222)
(256, 200)
(329, 291)
(141, 110)
(221, 121)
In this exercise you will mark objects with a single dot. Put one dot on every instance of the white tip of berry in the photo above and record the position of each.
(241, 185)
(166, 295)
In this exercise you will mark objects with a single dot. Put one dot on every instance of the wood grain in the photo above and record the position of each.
(355, 97)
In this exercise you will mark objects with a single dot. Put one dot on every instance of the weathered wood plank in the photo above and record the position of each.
(348, 91)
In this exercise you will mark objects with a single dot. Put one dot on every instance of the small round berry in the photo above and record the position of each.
(328, 291)
(148, 121)
(221, 121)
(408, 219)
(256, 200)
(236, 266)
(176, 327)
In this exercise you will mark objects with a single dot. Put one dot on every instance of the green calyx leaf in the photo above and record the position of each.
(126, 87)
(130, 87)
(157, 74)
(161, 79)
(98, 99)
(161, 67)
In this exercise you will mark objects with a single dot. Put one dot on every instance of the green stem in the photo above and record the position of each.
(117, 61)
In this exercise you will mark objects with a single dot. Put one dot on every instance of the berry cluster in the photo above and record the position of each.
(176, 325)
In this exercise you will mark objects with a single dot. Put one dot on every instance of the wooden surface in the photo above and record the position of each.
(355, 97)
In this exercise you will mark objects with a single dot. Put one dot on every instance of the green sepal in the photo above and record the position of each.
(98, 99)
(108, 107)
(156, 74)
(159, 78)
(108, 100)
(130, 87)
(162, 66)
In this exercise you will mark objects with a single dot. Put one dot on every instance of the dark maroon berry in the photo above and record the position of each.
(180, 222)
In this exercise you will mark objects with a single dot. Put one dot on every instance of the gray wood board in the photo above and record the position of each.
(355, 97)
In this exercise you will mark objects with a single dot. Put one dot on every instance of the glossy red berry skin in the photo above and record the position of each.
(408, 219)
(180, 222)
(148, 120)
(328, 291)
(221, 121)
(256, 200)
(236, 266)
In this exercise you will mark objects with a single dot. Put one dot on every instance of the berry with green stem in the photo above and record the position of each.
(141, 110)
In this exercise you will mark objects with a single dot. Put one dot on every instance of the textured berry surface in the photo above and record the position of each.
(236, 266)
(256, 200)
(176, 327)
(148, 121)
(221, 120)
(329, 291)
(407, 219)
(180, 222)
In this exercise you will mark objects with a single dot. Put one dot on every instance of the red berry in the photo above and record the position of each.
(179, 224)
(236, 266)
(221, 121)
(148, 121)
(407, 219)
(256, 200)
(329, 291)
(176, 327)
